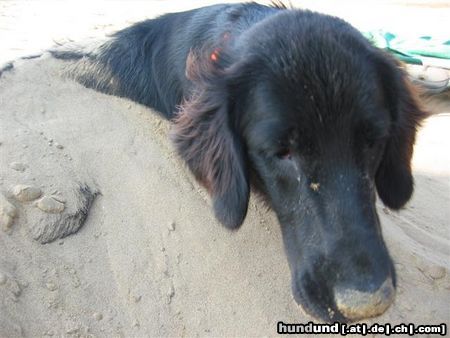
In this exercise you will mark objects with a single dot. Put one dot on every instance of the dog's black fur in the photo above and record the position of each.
(294, 103)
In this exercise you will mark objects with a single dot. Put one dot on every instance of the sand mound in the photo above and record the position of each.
(105, 233)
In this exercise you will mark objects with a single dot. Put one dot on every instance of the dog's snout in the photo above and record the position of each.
(355, 304)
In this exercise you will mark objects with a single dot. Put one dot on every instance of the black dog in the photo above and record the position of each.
(294, 103)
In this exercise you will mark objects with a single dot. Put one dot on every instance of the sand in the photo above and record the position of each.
(104, 232)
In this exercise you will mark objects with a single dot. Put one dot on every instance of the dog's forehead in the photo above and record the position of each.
(318, 78)
(314, 61)
(303, 113)
(316, 104)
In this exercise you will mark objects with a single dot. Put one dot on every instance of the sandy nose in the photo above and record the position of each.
(355, 304)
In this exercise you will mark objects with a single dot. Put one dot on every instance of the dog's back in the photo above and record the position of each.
(146, 62)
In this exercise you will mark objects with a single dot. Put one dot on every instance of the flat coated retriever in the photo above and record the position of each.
(297, 105)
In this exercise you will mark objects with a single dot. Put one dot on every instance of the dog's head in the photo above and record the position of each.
(319, 121)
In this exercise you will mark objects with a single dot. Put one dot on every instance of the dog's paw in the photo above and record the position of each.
(55, 217)
(47, 216)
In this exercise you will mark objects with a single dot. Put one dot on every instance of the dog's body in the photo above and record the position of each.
(299, 105)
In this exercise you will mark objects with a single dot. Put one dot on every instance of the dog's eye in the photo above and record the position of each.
(284, 154)
(372, 134)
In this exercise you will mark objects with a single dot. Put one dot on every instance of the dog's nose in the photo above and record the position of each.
(355, 304)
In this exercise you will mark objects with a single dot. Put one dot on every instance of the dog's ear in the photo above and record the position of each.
(204, 136)
(394, 180)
